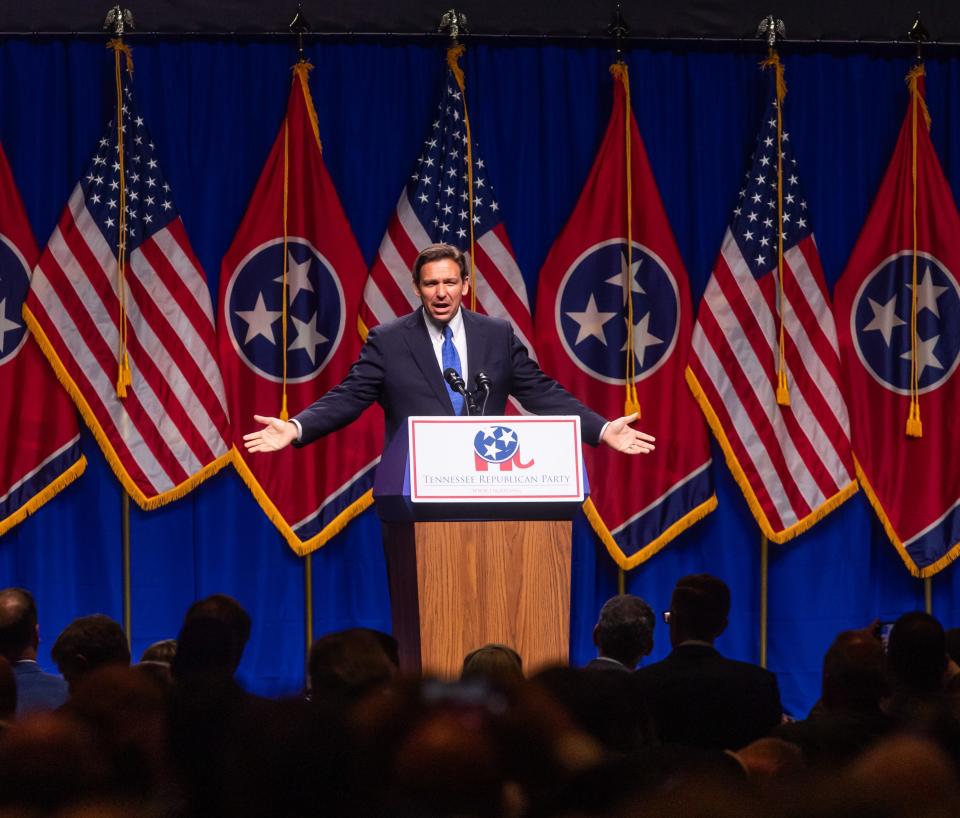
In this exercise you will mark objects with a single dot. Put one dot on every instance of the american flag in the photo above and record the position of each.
(793, 462)
(171, 429)
(435, 207)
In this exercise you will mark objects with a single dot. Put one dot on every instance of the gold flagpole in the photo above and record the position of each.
(125, 561)
(308, 603)
(928, 595)
(621, 581)
(764, 564)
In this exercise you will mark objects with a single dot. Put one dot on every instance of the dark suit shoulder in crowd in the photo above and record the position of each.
(605, 663)
(700, 698)
(36, 690)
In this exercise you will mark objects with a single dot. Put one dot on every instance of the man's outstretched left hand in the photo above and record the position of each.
(618, 435)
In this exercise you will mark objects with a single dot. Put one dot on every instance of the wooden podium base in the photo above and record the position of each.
(456, 586)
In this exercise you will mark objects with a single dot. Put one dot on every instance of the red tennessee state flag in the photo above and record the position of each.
(43, 455)
(898, 319)
(291, 285)
(614, 281)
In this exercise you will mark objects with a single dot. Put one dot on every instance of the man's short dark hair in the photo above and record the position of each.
(854, 676)
(18, 622)
(699, 606)
(348, 664)
(225, 609)
(625, 629)
(917, 652)
(439, 252)
(87, 643)
(230, 613)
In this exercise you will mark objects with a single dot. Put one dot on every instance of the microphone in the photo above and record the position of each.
(483, 385)
(452, 377)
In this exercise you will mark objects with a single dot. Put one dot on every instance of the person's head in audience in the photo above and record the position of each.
(8, 693)
(155, 661)
(699, 609)
(905, 775)
(49, 762)
(348, 664)
(19, 634)
(917, 653)
(230, 613)
(126, 712)
(495, 662)
(162, 651)
(769, 759)
(88, 643)
(854, 677)
(624, 630)
(952, 638)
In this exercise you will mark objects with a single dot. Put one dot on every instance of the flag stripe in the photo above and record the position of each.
(747, 448)
(86, 371)
(149, 357)
(155, 269)
(73, 281)
(754, 398)
(187, 352)
(752, 305)
(822, 330)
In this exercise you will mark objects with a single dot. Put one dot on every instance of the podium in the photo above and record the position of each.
(476, 520)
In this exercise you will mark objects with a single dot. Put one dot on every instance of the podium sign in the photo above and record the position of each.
(513, 459)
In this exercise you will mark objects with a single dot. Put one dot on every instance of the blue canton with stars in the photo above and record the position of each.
(754, 224)
(592, 317)
(315, 312)
(881, 322)
(149, 205)
(14, 282)
(496, 444)
(437, 190)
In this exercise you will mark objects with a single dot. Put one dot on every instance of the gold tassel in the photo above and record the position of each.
(914, 427)
(631, 402)
(124, 378)
(783, 392)
(454, 53)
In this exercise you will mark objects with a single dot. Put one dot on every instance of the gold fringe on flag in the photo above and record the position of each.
(453, 62)
(631, 403)
(917, 103)
(783, 392)
(123, 357)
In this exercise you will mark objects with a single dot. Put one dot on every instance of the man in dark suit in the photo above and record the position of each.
(623, 633)
(19, 639)
(402, 364)
(697, 696)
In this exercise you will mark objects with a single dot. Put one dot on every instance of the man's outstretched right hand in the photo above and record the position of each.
(275, 435)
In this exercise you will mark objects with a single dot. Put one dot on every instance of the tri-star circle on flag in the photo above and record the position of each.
(316, 311)
(14, 282)
(591, 312)
(881, 326)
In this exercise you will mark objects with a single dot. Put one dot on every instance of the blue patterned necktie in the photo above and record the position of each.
(451, 360)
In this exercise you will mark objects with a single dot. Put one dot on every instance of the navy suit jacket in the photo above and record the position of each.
(37, 690)
(398, 369)
(700, 698)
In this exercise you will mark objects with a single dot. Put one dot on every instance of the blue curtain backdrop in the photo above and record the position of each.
(539, 111)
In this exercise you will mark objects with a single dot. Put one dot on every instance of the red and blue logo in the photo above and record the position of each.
(500, 446)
